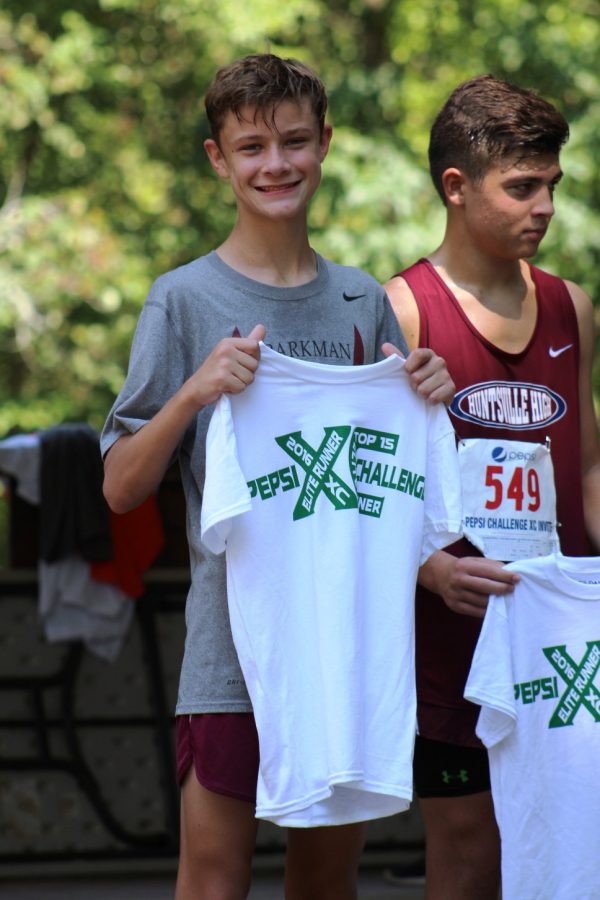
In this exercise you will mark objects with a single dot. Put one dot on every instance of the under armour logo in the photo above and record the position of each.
(461, 775)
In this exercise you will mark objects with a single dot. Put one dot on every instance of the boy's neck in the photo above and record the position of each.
(498, 296)
(279, 255)
(476, 272)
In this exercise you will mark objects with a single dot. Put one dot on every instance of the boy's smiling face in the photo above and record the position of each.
(272, 159)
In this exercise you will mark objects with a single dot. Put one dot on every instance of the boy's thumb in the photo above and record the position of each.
(258, 333)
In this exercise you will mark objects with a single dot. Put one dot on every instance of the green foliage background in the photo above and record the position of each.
(103, 181)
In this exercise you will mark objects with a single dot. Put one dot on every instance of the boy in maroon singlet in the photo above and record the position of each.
(518, 343)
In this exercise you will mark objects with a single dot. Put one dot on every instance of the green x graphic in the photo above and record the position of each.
(579, 679)
(318, 465)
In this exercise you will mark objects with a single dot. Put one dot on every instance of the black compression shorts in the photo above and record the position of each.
(448, 770)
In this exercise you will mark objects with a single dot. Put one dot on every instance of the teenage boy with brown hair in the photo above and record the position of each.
(518, 343)
(198, 337)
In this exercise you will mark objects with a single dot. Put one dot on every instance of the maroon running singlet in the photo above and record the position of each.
(493, 388)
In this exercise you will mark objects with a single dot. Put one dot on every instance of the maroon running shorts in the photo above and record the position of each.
(224, 750)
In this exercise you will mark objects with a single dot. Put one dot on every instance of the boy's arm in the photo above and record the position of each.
(405, 308)
(428, 372)
(135, 464)
(464, 583)
(590, 445)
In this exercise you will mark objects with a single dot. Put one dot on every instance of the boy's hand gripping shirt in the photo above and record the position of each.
(536, 674)
(329, 486)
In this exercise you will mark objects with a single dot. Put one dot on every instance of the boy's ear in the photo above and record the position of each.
(453, 183)
(215, 157)
(325, 140)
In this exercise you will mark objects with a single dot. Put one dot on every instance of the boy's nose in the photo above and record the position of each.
(544, 203)
(276, 160)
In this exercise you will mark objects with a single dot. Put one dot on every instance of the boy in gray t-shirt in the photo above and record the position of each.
(198, 337)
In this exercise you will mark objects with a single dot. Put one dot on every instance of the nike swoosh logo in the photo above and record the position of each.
(352, 296)
(554, 353)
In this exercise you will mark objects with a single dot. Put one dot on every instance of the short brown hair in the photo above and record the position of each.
(485, 120)
(262, 81)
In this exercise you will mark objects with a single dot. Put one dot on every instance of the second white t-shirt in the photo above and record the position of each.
(536, 675)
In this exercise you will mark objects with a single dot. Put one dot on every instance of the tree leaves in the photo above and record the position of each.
(104, 182)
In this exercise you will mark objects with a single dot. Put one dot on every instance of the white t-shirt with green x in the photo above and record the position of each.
(328, 486)
(536, 675)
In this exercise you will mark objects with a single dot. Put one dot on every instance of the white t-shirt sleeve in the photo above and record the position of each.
(226, 493)
(491, 682)
(443, 506)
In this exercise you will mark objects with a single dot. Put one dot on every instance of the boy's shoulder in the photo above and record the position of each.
(185, 274)
(352, 280)
(200, 279)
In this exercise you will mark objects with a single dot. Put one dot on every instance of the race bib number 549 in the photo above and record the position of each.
(509, 498)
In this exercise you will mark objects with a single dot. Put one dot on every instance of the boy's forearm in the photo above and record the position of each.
(135, 465)
(435, 571)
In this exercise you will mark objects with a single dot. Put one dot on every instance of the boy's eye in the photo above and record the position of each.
(526, 188)
(521, 190)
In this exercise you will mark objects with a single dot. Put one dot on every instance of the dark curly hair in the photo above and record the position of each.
(486, 120)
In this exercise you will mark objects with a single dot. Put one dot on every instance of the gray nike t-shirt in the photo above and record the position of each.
(341, 317)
